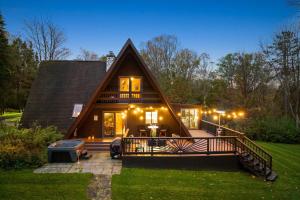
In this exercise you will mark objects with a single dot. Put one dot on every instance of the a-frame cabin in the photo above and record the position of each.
(128, 97)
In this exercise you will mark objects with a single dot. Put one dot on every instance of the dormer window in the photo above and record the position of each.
(130, 85)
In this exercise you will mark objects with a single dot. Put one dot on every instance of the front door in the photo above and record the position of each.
(113, 124)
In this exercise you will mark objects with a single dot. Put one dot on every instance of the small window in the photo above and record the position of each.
(76, 110)
(151, 117)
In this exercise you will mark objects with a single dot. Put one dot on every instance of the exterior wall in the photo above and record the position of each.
(133, 121)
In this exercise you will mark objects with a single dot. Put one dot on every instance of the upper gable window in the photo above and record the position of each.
(124, 84)
(130, 84)
(76, 110)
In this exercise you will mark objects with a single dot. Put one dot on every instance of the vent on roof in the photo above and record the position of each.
(110, 58)
(76, 110)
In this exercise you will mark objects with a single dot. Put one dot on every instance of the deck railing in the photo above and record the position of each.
(178, 145)
(243, 142)
(128, 97)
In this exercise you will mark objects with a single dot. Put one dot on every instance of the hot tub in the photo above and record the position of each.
(65, 150)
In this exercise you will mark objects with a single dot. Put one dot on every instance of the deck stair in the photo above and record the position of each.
(251, 156)
(97, 146)
(256, 167)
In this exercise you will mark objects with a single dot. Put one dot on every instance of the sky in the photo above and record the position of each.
(216, 27)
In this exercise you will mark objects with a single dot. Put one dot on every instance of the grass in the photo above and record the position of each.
(24, 184)
(193, 185)
(11, 116)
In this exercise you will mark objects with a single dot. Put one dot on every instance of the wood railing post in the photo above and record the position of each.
(207, 145)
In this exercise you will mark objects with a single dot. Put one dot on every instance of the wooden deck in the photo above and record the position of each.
(200, 133)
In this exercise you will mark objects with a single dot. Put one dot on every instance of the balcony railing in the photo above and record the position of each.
(128, 97)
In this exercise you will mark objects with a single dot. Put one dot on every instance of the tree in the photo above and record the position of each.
(48, 40)
(4, 64)
(176, 69)
(246, 76)
(283, 55)
(23, 69)
(87, 55)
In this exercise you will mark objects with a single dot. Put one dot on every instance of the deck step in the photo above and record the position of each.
(97, 146)
(272, 176)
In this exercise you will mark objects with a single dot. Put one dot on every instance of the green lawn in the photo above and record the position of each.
(11, 116)
(24, 184)
(194, 185)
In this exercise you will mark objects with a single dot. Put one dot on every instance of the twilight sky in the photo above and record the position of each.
(216, 27)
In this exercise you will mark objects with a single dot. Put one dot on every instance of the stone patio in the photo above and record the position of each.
(99, 164)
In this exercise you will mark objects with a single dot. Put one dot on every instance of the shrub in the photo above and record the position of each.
(273, 130)
(25, 147)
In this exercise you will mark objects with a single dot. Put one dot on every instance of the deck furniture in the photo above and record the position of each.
(143, 131)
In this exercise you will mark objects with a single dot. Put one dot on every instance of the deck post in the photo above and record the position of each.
(207, 145)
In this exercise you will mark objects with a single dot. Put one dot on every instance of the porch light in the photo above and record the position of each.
(241, 114)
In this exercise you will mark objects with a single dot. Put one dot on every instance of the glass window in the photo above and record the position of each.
(151, 117)
(189, 118)
(76, 110)
(124, 84)
(135, 84)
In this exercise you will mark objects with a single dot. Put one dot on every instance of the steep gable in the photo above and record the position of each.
(116, 69)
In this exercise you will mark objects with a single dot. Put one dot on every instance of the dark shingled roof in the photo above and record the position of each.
(58, 86)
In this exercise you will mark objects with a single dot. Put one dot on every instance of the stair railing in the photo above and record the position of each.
(251, 147)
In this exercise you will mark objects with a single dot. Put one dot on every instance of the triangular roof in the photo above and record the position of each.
(57, 87)
(110, 73)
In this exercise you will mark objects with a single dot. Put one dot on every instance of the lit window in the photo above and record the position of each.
(151, 117)
(135, 87)
(124, 84)
(132, 84)
(76, 110)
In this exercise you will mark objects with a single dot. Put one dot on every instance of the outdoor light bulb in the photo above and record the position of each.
(228, 116)
(141, 117)
(205, 112)
(151, 107)
(131, 106)
(214, 110)
(233, 113)
(241, 114)
(209, 112)
(215, 117)
(160, 118)
(125, 111)
(132, 78)
(134, 112)
(179, 114)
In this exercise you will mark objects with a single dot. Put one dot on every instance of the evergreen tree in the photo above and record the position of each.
(4, 64)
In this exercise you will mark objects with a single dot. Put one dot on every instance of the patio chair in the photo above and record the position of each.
(143, 131)
(163, 131)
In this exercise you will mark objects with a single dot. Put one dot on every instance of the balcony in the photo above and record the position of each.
(128, 97)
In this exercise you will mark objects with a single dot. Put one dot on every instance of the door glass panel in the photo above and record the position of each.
(185, 117)
(189, 118)
(119, 124)
(109, 124)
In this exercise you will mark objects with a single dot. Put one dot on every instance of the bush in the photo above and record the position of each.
(25, 147)
(273, 130)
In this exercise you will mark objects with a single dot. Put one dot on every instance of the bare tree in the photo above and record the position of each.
(47, 39)
(87, 55)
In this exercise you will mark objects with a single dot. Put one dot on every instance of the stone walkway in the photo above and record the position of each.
(101, 165)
